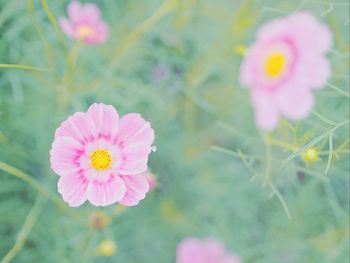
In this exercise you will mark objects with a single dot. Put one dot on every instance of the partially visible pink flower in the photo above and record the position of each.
(84, 23)
(151, 179)
(193, 250)
(102, 158)
(284, 65)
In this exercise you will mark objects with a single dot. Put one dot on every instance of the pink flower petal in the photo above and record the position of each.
(106, 192)
(216, 248)
(189, 251)
(64, 156)
(66, 27)
(79, 127)
(313, 72)
(232, 259)
(74, 11)
(133, 129)
(266, 111)
(73, 189)
(246, 75)
(193, 250)
(101, 34)
(272, 30)
(105, 119)
(305, 27)
(135, 158)
(91, 12)
(136, 188)
(294, 103)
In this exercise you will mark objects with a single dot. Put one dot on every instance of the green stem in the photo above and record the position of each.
(23, 67)
(27, 227)
(167, 7)
(54, 23)
(32, 182)
(40, 188)
(48, 49)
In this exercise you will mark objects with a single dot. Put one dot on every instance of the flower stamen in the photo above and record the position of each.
(100, 160)
(275, 65)
(84, 31)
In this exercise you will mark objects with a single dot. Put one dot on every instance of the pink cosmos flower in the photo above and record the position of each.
(193, 250)
(284, 65)
(102, 158)
(84, 23)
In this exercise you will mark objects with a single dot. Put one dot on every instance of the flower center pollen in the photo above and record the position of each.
(84, 31)
(275, 65)
(100, 160)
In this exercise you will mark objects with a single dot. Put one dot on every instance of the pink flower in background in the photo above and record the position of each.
(284, 65)
(193, 250)
(152, 180)
(84, 23)
(102, 158)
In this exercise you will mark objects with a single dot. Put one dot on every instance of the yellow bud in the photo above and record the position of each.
(311, 154)
(106, 248)
(241, 50)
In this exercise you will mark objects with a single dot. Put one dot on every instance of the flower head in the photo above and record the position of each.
(106, 248)
(84, 23)
(282, 67)
(102, 158)
(311, 154)
(193, 250)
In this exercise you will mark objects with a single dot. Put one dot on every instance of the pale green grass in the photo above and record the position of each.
(218, 175)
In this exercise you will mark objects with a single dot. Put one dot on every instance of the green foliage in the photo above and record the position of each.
(175, 62)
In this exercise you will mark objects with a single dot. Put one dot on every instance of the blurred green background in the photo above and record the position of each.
(176, 62)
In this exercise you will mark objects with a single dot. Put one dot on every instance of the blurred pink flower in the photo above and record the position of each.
(102, 158)
(151, 179)
(282, 67)
(84, 23)
(193, 250)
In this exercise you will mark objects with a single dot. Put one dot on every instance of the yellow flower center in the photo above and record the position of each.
(311, 154)
(100, 160)
(275, 65)
(84, 31)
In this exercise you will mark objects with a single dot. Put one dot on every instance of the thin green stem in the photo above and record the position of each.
(167, 7)
(32, 182)
(26, 229)
(23, 67)
(48, 49)
(268, 160)
(282, 144)
(339, 90)
(323, 118)
(40, 188)
(54, 23)
(276, 192)
(330, 155)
